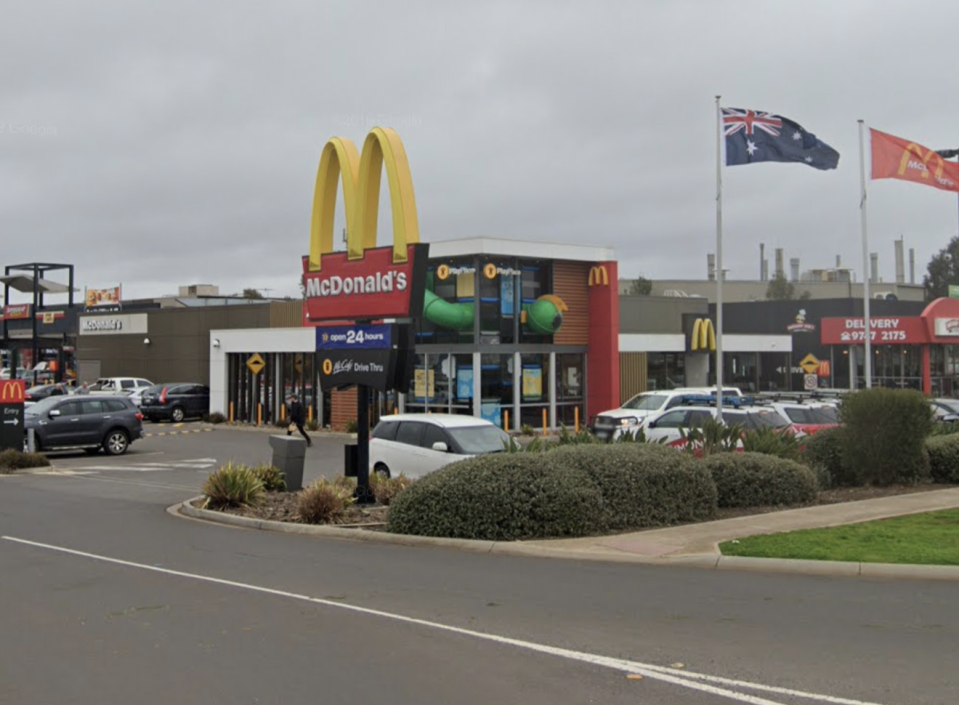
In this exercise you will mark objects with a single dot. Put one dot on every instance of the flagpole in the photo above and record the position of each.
(867, 327)
(719, 262)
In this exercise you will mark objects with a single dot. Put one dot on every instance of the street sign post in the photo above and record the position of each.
(12, 394)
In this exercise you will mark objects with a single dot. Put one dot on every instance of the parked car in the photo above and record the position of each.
(417, 444)
(118, 385)
(91, 423)
(630, 417)
(945, 410)
(22, 373)
(42, 391)
(175, 402)
(669, 426)
(808, 417)
(136, 395)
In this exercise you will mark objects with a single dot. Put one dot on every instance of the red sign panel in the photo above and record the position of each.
(17, 311)
(884, 330)
(12, 391)
(369, 288)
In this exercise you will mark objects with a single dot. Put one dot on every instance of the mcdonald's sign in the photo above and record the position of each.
(365, 281)
(897, 158)
(12, 391)
(598, 276)
(824, 368)
(703, 337)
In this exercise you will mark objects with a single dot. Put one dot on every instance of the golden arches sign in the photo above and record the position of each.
(360, 175)
(598, 276)
(915, 149)
(704, 335)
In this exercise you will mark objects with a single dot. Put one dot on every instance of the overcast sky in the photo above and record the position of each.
(178, 145)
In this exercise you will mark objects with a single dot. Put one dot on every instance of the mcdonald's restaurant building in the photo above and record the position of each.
(505, 333)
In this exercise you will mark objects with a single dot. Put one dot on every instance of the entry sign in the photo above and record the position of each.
(358, 354)
(255, 363)
(12, 394)
(810, 382)
(810, 364)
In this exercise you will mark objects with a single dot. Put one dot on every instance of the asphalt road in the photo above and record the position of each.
(107, 598)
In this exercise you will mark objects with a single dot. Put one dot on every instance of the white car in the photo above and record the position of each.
(669, 426)
(417, 444)
(631, 416)
(118, 385)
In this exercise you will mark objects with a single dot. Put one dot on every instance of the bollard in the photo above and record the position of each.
(259, 414)
(544, 422)
(309, 414)
(506, 420)
(31, 440)
(231, 412)
(576, 417)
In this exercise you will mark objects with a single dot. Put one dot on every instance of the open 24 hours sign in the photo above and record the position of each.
(357, 354)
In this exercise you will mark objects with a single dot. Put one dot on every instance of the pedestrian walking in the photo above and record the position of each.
(297, 419)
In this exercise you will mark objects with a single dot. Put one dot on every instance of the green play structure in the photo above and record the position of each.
(543, 317)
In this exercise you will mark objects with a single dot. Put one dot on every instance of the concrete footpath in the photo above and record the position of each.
(693, 545)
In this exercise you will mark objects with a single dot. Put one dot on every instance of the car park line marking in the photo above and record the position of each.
(177, 433)
(694, 681)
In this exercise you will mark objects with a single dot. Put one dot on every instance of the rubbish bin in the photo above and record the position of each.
(289, 455)
(350, 452)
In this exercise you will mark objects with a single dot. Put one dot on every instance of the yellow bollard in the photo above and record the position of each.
(259, 414)
(282, 412)
(309, 414)
(231, 412)
(506, 420)
(576, 417)
(544, 422)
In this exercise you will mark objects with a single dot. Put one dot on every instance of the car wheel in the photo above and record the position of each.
(382, 471)
(177, 414)
(116, 442)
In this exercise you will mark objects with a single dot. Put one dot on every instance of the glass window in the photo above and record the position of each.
(434, 434)
(479, 439)
(126, 384)
(114, 405)
(699, 417)
(672, 419)
(410, 433)
(647, 402)
(70, 408)
(92, 406)
(386, 430)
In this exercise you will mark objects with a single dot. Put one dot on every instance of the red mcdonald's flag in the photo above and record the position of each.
(896, 158)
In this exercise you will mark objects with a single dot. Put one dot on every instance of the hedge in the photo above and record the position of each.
(884, 436)
(758, 480)
(643, 485)
(944, 458)
(499, 497)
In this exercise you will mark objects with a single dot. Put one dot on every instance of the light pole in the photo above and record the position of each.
(948, 153)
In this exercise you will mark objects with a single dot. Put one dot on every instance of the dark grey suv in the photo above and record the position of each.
(87, 422)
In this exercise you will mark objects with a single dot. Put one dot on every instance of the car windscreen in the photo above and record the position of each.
(768, 418)
(474, 440)
(800, 414)
(825, 414)
(646, 402)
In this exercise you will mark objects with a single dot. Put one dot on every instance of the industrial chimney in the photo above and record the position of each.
(794, 269)
(873, 267)
(900, 264)
(912, 265)
(711, 266)
(780, 272)
(762, 261)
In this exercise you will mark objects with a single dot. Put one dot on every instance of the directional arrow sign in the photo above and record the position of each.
(255, 363)
(810, 363)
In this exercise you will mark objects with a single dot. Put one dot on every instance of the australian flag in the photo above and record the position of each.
(753, 136)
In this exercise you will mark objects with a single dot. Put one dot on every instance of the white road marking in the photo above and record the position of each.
(198, 464)
(694, 681)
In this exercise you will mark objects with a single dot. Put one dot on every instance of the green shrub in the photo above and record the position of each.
(386, 489)
(271, 476)
(823, 453)
(772, 441)
(324, 502)
(944, 428)
(215, 418)
(313, 425)
(232, 485)
(352, 426)
(499, 497)
(758, 480)
(12, 459)
(583, 437)
(527, 430)
(643, 484)
(884, 436)
(711, 437)
(944, 458)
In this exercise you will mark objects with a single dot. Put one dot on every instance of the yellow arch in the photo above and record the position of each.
(339, 162)
(383, 148)
(360, 176)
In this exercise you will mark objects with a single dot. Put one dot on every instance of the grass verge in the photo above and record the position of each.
(921, 539)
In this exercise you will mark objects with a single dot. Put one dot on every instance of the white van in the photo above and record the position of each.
(417, 444)
(631, 416)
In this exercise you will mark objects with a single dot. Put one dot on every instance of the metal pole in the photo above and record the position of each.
(719, 262)
(363, 493)
(867, 327)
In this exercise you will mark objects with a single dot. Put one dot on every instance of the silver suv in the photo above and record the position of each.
(91, 423)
